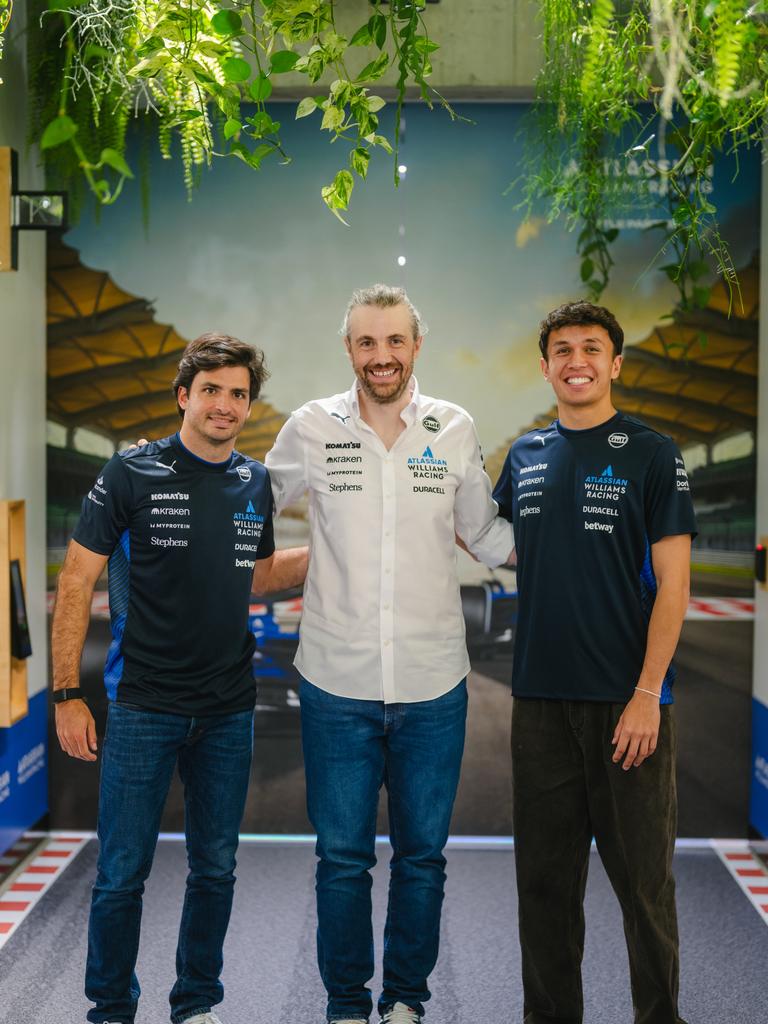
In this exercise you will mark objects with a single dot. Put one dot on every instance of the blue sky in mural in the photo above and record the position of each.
(258, 256)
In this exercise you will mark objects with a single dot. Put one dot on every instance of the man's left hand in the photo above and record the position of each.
(637, 731)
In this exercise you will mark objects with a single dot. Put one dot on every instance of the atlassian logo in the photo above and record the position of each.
(249, 516)
(607, 477)
(426, 459)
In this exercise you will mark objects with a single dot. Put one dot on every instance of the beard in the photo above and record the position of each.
(385, 394)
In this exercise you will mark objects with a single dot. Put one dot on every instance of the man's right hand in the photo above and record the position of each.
(76, 729)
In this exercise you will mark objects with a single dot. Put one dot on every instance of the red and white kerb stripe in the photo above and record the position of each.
(24, 889)
(747, 869)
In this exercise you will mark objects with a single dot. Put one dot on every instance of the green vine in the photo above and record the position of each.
(203, 75)
(702, 65)
(6, 10)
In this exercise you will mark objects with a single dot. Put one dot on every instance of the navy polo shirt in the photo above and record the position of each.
(586, 506)
(182, 537)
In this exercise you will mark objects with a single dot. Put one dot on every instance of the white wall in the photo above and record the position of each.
(22, 356)
(488, 48)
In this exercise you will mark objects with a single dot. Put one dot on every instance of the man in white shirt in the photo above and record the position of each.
(392, 477)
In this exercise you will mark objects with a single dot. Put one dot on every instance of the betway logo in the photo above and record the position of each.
(601, 527)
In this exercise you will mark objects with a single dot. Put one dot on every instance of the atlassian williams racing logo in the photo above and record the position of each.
(617, 440)
(248, 523)
(427, 465)
(606, 486)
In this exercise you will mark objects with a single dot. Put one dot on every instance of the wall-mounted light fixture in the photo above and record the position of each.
(23, 210)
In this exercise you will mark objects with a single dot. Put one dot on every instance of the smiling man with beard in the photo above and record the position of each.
(392, 476)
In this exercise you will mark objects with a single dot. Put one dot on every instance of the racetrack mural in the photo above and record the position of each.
(263, 260)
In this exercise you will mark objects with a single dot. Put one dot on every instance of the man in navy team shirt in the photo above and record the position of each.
(603, 523)
(186, 525)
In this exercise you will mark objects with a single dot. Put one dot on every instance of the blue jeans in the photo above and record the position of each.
(140, 750)
(351, 748)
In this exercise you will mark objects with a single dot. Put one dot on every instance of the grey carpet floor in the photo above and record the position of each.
(270, 974)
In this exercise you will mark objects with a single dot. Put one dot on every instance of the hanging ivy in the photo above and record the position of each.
(701, 68)
(200, 76)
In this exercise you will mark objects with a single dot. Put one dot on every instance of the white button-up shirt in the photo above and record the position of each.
(382, 616)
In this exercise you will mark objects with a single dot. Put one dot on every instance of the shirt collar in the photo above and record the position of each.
(408, 414)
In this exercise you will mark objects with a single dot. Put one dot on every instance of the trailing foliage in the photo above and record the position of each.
(701, 68)
(202, 75)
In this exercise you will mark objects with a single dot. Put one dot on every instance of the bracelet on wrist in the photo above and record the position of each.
(651, 692)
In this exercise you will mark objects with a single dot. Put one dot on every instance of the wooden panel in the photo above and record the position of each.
(13, 671)
(7, 239)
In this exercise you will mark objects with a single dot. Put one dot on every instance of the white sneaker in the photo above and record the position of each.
(203, 1018)
(351, 1020)
(401, 1014)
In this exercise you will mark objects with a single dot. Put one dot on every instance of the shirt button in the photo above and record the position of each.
(387, 643)
(385, 607)
(387, 571)
(387, 533)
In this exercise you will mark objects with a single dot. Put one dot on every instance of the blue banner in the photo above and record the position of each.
(24, 772)
(758, 805)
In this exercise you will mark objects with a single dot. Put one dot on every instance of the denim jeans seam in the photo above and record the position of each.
(191, 1013)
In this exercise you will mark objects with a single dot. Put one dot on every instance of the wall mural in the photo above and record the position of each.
(262, 260)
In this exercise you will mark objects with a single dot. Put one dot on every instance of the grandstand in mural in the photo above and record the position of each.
(695, 378)
(110, 364)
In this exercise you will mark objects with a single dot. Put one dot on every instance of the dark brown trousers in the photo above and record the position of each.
(567, 790)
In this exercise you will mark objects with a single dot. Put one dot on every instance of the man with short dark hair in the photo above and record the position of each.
(392, 476)
(603, 523)
(186, 525)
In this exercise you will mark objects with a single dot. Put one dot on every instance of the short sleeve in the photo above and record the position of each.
(286, 465)
(503, 492)
(668, 504)
(106, 509)
(267, 539)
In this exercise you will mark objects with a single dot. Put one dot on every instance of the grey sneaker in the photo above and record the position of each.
(401, 1014)
(203, 1018)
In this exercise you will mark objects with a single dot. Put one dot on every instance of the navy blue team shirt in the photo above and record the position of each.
(182, 536)
(586, 506)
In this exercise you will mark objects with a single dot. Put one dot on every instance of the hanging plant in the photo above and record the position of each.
(203, 74)
(701, 68)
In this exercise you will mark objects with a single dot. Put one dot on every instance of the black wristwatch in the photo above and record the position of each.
(70, 693)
